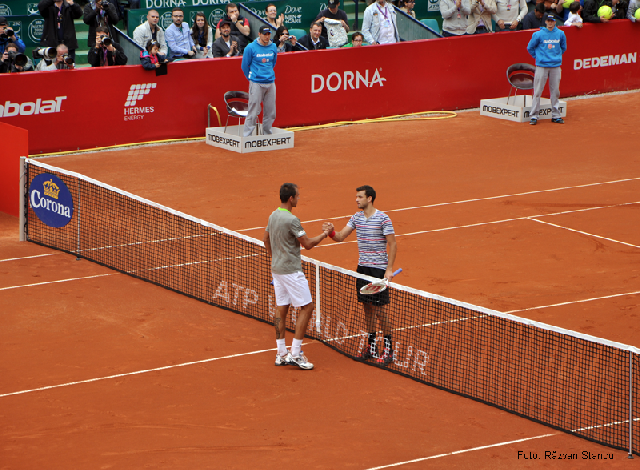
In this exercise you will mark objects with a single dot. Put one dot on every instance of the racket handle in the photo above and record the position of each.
(397, 272)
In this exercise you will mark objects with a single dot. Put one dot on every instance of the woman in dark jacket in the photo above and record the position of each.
(284, 42)
(59, 13)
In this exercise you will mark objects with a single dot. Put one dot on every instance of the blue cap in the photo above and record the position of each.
(265, 30)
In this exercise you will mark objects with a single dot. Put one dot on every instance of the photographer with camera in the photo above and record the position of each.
(58, 24)
(106, 52)
(12, 61)
(100, 13)
(284, 42)
(54, 59)
(7, 35)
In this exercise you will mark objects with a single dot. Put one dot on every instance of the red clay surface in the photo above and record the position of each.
(241, 412)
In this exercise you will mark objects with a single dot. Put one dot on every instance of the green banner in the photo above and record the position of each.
(18, 8)
(297, 13)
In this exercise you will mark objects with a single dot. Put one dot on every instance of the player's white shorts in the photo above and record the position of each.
(291, 289)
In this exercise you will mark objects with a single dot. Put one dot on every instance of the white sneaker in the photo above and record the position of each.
(282, 360)
(300, 361)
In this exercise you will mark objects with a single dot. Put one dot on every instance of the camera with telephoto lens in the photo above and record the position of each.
(67, 60)
(47, 53)
(107, 41)
(7, 33)
(17, 59)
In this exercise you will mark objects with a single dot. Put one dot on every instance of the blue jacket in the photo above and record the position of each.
(18, 42)
(258, 62)
(547, 47)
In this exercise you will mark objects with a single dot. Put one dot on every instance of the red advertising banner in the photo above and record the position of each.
(88, 108)
(14, 145)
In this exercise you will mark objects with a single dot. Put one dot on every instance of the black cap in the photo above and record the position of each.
(334, 2)
(265, 30)
(3, 20)
(549, 16)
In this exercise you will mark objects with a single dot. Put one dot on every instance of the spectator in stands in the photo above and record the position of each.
(63, 60)
(332, 13)
(284, 42)
(225, 45)
(535, 19)
(379, 25)
(8, 36)
(633, 6)
(178, 37)
(11, 57)
(553, 7)
(479, 21)
(151, 58)
(272, 16)
(547, 45)
(150, 29)
(314, 41)
(357, 40)
(509, 15)
(58, 23)
(100, 13)
(202, 36)
(106, 52)
(574, 18)
(407, 6)
(454, 17)
(591, 7)
(240, 29)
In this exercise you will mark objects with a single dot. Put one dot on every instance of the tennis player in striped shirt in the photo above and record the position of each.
(377, 253)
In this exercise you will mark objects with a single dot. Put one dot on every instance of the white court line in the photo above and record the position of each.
(573, 302)
(529, 217)
(586, 233)
(464, 451)
(55, 282)
(28, 257)
(138, 372)
(502, 196)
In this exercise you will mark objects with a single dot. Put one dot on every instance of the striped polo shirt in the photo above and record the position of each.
(371, 234)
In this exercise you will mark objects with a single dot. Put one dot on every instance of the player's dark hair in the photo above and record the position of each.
(540, 7)
(177, 9)
(355, 35)
(103, 29)
(368, 191)
(287, 190)
(574, 7)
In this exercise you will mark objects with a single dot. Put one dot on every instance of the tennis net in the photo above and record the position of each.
(577, 383)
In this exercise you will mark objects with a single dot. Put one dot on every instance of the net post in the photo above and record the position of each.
(318, 298)
(23, 168)
(630, 456)
(78, 224)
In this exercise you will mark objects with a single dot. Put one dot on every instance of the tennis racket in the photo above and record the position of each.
(377, 286)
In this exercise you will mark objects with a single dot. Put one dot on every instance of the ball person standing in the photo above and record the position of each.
(547, 47)
(258, 62)
(377, 253)
(282, 240)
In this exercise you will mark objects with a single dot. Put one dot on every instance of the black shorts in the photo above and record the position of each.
(376, 299)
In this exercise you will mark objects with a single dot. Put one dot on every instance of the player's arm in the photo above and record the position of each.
(392, 247)
(267, 242)
(309, 243)
(342, 234)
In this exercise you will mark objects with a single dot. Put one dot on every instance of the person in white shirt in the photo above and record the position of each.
(151, 30)
(379, 25)
(454, 17)
(509, 14)
(574, 18)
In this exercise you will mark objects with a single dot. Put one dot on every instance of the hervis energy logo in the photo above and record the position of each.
(51, 200)
(137, 92)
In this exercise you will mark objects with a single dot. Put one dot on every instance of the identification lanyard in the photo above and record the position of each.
(385, 13)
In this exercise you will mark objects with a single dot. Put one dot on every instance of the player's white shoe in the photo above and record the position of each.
(282, 360)
(300, 361)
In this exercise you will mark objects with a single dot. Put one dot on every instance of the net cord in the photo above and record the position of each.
(525, 321)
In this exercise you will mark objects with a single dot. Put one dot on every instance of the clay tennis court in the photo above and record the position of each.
(534, 216)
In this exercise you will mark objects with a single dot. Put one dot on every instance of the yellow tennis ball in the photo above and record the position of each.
(605, 11)
(636, 15)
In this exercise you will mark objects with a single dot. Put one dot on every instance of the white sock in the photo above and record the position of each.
(295, 347)
(282, 347)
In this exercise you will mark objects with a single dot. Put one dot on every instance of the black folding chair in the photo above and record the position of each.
(520, 77)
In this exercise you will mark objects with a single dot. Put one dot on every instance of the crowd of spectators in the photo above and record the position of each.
(232, 33)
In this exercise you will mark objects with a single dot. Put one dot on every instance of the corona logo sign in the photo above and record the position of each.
(51, 200)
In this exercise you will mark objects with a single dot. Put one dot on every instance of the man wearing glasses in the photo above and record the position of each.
(178, 37)
(150, 30)
(258, 61)
(356, 40)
